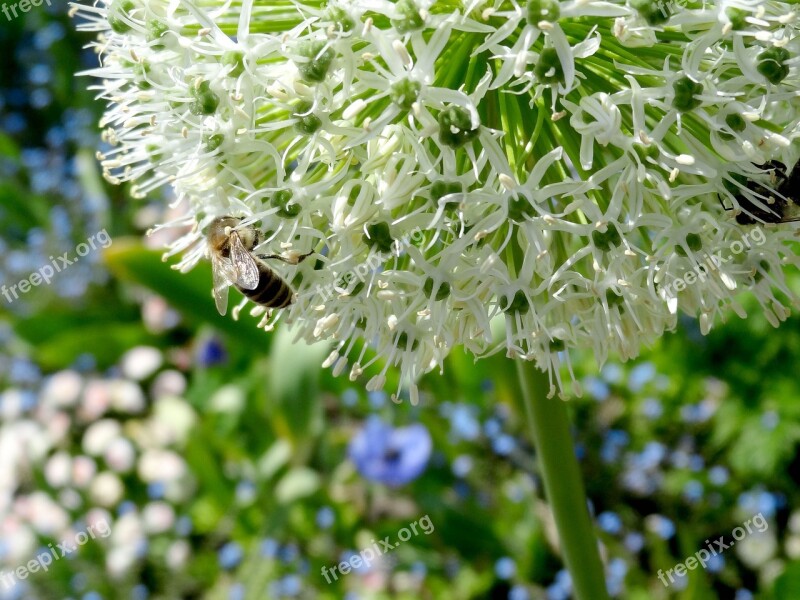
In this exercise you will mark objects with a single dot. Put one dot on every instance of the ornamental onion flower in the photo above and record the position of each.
(556, 165)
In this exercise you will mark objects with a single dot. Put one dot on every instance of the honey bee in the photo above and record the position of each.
(781, 208)
(233, 262)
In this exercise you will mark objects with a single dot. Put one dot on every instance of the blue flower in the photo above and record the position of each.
(388, 455)
(230, 555)
(505, 568)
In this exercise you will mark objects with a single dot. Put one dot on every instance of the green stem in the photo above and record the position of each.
(549, 424)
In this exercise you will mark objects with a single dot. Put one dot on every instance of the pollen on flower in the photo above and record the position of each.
(548, 165)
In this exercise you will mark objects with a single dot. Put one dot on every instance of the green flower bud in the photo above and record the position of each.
(340, 18)
(117, 9)
(213, 142)
(282, 200)
(737, 17)
(404, 93)
(205, 101)
(655, 12)
(410, 19)
(694, 242)
(519, 304)
(441, 293)
(685, 92)
(234, 59)
(155, 31)
(608, 240)
(455, 127)
(379, 237)
(307, 122)
(548, 68)
(772, 64)
(543, 10)
(319, 59)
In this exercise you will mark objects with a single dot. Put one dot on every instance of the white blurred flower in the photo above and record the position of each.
(158, 517)
(99, 436)
(126, 396)
(58, 469)
(168, 383)
(757, 548)
(96, 400)
(178, 554)
(106, 489)
(561, 191)
(157, 465)
(83, 470)
(43, 513)
(173, 418)
(61, 390)
(141, 362)
(227, 399)
(120, 455)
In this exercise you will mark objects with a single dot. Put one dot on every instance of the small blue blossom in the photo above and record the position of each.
(661, 526)
(770, 420)
(462, 465)
(237, 592)
(716, 563)
(652, 409)
(609, 522)
(269, 548)
(392, 456)
(518, 593)
(641, 375)
(326, 517)
(504, 444)
(377, 399)
(693, 491)
(350, 397)
(633, 541)
(463, 423)
(211, 352)
(492, 428)
(505, 568)
(230, 555)
(718, 475)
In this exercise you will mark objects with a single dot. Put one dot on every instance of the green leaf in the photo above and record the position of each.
(298, 483)
(294, 371)
(8, 147)
(276, 457)
(787, 586)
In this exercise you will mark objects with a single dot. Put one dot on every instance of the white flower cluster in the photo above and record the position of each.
(559, 162)
(81, 437)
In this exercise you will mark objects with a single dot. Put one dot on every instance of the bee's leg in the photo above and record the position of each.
(291, 261)
(723, 203)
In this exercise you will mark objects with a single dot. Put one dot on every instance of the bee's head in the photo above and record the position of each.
(219, 232)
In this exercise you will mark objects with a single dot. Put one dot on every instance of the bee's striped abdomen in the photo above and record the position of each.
(271, 291)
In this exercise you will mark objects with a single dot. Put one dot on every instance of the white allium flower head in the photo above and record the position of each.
(569, 167)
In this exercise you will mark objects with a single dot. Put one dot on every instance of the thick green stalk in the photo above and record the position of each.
(549, 424)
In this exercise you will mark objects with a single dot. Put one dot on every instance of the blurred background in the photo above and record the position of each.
(218, 461)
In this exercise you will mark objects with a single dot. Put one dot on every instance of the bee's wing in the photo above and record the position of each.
(221, 273)
(244, 265)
